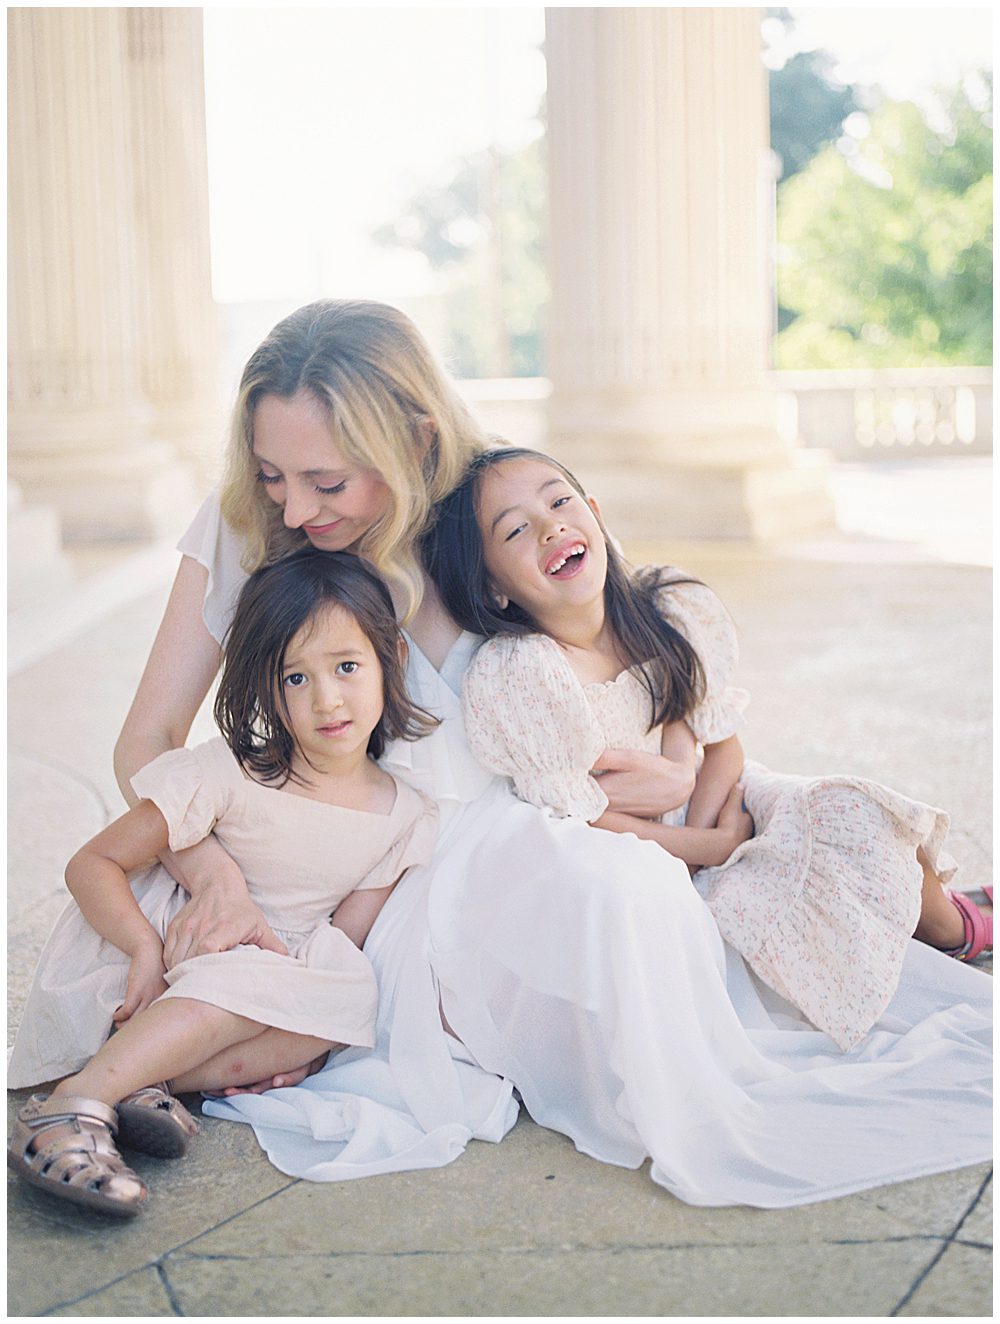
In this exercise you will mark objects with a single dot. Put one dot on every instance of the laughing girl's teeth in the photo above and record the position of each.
(554, 569)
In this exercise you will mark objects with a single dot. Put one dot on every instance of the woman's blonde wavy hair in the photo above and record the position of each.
(370, 368)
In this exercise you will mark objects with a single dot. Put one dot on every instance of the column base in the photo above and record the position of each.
(37, 567)
(144, 493)
(759, 489)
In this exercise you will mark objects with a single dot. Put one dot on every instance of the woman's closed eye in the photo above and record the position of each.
(331, 491)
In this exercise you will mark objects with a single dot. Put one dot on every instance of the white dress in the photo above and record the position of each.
(544, 941)
(821, 901)
(300, 858)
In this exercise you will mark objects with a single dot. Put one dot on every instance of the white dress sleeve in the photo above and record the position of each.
(192, 788)
(697, 613)
(528, 718)
(212, 543)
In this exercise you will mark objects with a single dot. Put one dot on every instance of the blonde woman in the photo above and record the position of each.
(580, 968)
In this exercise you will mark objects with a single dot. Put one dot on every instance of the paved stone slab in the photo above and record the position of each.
(56, 1251)
(139, 1295)
(865, 1279)
(535, 1191)
(958, 1284)
(978, 1226)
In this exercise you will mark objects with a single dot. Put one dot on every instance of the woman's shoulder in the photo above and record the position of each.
(213, 544)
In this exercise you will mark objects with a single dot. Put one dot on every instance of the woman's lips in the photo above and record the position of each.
(317, 530)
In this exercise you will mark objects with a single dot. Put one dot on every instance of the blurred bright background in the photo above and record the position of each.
(413, 170)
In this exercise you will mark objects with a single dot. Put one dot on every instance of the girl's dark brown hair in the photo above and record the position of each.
(276, 602)
(455, 559)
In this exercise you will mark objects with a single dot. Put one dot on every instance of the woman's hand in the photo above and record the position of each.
(644, 785)
(220, 916)
(145, 981)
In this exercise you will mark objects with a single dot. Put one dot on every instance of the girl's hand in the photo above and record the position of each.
(735, 821)
(645, 785)
(220, 917)
(145, 981)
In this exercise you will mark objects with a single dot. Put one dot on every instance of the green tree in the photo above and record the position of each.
(885, 254)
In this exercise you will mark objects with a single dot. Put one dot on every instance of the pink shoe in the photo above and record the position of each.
(978, 927)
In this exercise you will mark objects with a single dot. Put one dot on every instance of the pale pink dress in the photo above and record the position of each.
(300, 858)
(824, 898)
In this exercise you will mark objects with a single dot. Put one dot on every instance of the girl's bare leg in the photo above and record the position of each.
(170, 1038)
(262, 1062)
(940, 924)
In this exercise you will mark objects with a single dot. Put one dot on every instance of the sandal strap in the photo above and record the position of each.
(46, 1110)
(978, 928)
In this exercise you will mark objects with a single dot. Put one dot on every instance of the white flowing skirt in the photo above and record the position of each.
(583, 969)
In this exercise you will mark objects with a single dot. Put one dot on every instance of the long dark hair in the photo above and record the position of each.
(276, 602)
(455, 558)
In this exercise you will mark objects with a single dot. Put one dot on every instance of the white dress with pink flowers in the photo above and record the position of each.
(821, 902)
(582, 968)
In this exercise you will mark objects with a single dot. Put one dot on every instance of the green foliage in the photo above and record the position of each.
(808, 109)
(886, 255)
(484, 232)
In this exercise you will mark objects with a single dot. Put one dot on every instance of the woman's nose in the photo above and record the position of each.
(299, 509)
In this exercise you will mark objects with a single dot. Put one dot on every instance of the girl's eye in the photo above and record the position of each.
(348, 668)
(331, 491)
(560, 501)
(513, 533)
(294, 679)
(268, 478)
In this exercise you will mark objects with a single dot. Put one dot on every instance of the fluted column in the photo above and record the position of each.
(79, 426)
(660, 198)
(177, 332)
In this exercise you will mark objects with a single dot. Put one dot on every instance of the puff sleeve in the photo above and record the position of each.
(527, 718)
(192, 788)
(697, 613)
(413, 845)
(212, 543)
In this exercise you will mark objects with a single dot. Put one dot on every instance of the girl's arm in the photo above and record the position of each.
(697, 846)
(96, 876)
(648, 785)
(182, 665)
(720, 771)
(359, 910)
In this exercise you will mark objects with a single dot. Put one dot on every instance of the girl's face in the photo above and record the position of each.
(331, 682)
(543, 543)
(322, 492)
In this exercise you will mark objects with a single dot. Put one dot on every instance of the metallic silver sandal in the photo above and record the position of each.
(79, 1162)
(154, 1122)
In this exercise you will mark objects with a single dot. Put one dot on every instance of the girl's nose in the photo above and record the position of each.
(555, 529)
(327, 697)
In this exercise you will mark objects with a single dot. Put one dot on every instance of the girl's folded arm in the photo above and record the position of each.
(96, 876)
(699, 847)
(359, 910)
(720, 771)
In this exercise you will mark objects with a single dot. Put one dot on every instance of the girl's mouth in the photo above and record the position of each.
(567, 561)
(334, 728)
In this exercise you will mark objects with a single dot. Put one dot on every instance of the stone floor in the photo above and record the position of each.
(857, 661)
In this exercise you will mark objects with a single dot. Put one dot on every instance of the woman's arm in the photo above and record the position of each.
(648, 785)
(720, 771)
(182, 664)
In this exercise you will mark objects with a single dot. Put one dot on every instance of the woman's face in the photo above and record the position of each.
(320, 490)
(543, 544)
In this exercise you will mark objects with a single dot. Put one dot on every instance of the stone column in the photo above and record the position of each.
(177, 331)
(79, 429)
(660, 258)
